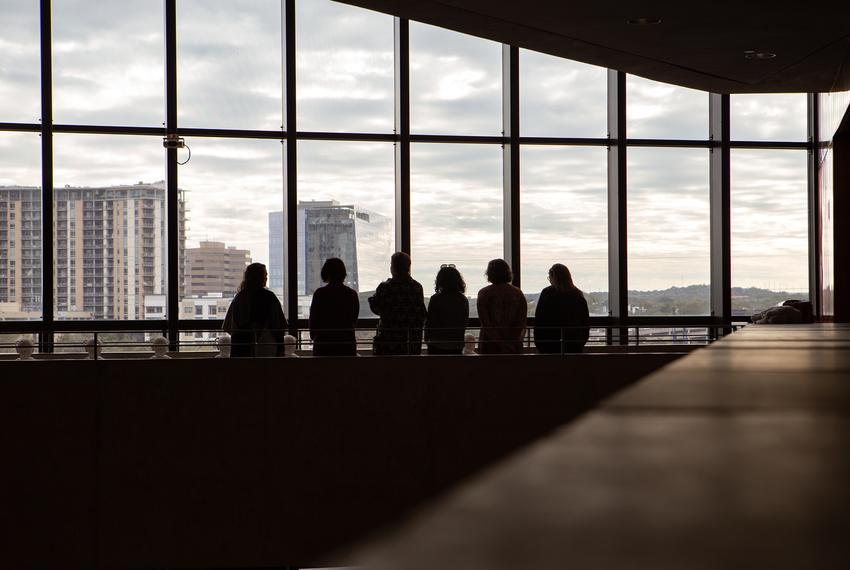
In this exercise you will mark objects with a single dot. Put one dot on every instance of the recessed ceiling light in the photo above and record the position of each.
(753, 54)
(643, 21)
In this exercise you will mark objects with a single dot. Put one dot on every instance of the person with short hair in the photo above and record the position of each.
(400, 303)
(561, 318)
(502, 310)
(448, 312)
(255, 319)
(333, 313)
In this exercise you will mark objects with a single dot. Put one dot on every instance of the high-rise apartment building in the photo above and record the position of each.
(361, 238)
(214, 267)
(20, 252)
(109, 249)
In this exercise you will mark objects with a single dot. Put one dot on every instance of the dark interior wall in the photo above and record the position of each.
(227, 463)
(841, 220)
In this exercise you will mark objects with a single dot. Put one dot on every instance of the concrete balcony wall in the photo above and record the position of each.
(229, 463)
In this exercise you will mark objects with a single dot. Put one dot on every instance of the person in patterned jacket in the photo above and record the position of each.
(400, 303)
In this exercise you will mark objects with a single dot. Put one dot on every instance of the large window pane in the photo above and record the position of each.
(231, 187)
(455, 83)
(663, 111)
(344, 68)
(456, 203)
(668, 231)
(108, 62)
(20, 62)
(769, 117)
(769, 228)
(230, 69)
(564, 205)
(20, 226)
(561, 98)
(110, 226)
(346, 199)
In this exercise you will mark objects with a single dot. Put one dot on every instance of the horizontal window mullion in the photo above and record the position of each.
(670, 143)
(462, 139)
(779, 145)
(108, 130)
(565, 141)
(21, 127)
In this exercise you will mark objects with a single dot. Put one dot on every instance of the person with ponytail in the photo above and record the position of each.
(561, 319)
(255, 318)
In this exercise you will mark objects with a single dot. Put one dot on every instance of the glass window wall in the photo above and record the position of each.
(564, 219)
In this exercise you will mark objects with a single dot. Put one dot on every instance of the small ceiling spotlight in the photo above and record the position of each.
(753, 54)
(644, 21)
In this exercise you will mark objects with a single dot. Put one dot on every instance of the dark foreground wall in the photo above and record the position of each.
(227, 463)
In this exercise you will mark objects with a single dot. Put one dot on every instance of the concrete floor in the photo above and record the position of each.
(736, 456)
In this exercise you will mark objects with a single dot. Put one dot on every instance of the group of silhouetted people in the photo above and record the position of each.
(256, 321)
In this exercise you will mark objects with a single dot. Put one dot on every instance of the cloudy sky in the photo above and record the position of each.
(108, 70)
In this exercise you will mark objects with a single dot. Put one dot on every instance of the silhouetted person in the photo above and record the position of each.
(255, 318)
(448, 311)
(502, 310)
(333, 313)
(400, 304)
(561, 309)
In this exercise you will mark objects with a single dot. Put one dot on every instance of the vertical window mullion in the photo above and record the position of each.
(617, 219)
(510, 159)
(814, 218)
(172, 187)
(290, 170)
(720, 208)
(402, 131)
(47, 273)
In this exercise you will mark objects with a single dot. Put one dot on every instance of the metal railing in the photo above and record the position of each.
(197, 342)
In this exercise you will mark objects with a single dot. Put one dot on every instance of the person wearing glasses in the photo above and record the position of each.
(502, 310)
(561, 318)
(400, 303)
(333, 313)
(448, 312)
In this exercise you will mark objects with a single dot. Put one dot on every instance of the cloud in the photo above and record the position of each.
(775, 116)
(662, 111)
(561, 98)
(20, 66)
